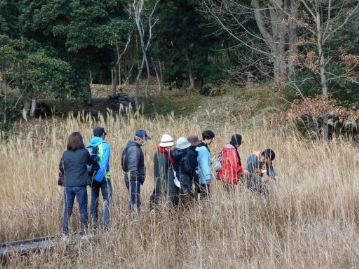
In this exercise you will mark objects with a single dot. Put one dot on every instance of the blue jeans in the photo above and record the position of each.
(81, 194)
(106, 190)
(134, 187)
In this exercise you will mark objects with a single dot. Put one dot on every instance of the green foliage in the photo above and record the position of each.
(172, 102)
(45, 73)
(342, 90)
(184, 41)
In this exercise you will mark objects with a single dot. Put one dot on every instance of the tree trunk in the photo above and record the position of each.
(148, 73)
(113, 80)
(2, 87)
(26, 109)
(190, 72)
(3, 96)
(159, 82)
(292, 38)
(33, 107)
(89, 93)
(119, 75)
(279, 31)
(323, 79)
(275, 38)
(137, 87)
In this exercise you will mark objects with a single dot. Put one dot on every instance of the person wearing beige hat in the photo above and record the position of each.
(163, 172)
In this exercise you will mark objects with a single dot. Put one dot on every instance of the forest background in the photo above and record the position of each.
(60, 48)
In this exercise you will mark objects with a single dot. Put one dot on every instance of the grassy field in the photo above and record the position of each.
(310, 220)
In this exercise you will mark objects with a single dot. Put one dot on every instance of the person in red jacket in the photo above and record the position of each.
(230, 165)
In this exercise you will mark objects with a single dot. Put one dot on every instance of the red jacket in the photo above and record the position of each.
(230, 166)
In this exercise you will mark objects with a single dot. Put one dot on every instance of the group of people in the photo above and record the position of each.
(182, 172)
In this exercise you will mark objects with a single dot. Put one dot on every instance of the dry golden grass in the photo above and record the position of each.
(309, 221)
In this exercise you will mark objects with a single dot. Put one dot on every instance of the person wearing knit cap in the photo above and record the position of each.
(229, 165)
(163, 172)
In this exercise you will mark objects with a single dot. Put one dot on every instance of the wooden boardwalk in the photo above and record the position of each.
(24, 247)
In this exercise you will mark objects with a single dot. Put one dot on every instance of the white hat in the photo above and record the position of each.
(182, 143)
(166, 141)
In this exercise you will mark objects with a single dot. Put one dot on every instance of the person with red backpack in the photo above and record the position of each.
(229, 165)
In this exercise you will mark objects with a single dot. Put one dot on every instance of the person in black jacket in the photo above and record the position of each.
(163, 172)
(133, 164)
(73, 165)
(192, 157)
(182, 170)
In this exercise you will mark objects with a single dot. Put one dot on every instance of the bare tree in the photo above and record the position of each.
(120, 55)
(139, 9)
(322, 20)
(276, 33)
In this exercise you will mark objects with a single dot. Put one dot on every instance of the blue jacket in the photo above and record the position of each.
(104, 154)
(204, 164)
(255, 167)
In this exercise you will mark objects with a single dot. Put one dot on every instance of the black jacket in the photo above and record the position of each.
(133, 162)
(162, 168)
(192, 155)
(178, 156)
(74, 166)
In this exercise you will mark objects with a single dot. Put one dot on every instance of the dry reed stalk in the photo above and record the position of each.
(309, 221)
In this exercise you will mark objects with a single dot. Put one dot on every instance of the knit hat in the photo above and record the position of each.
(194, 140)
(166, 141)
(182, 143)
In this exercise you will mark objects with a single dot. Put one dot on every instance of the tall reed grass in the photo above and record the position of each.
(309, 221)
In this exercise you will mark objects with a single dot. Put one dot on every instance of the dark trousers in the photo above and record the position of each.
(160, 193)
(173, 192)
(186, 193)
(254, 183)
(186, 184)
(204, 191)
(228, 187)
(81, 194)
(106, 190)
(134, 188)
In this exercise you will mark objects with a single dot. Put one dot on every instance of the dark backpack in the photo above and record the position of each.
(92, 169)
(186, 165)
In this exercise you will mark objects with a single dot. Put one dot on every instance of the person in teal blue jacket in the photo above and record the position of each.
(204, 164)
(102, 178)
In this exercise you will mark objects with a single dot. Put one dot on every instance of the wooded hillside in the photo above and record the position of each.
(62, 47)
